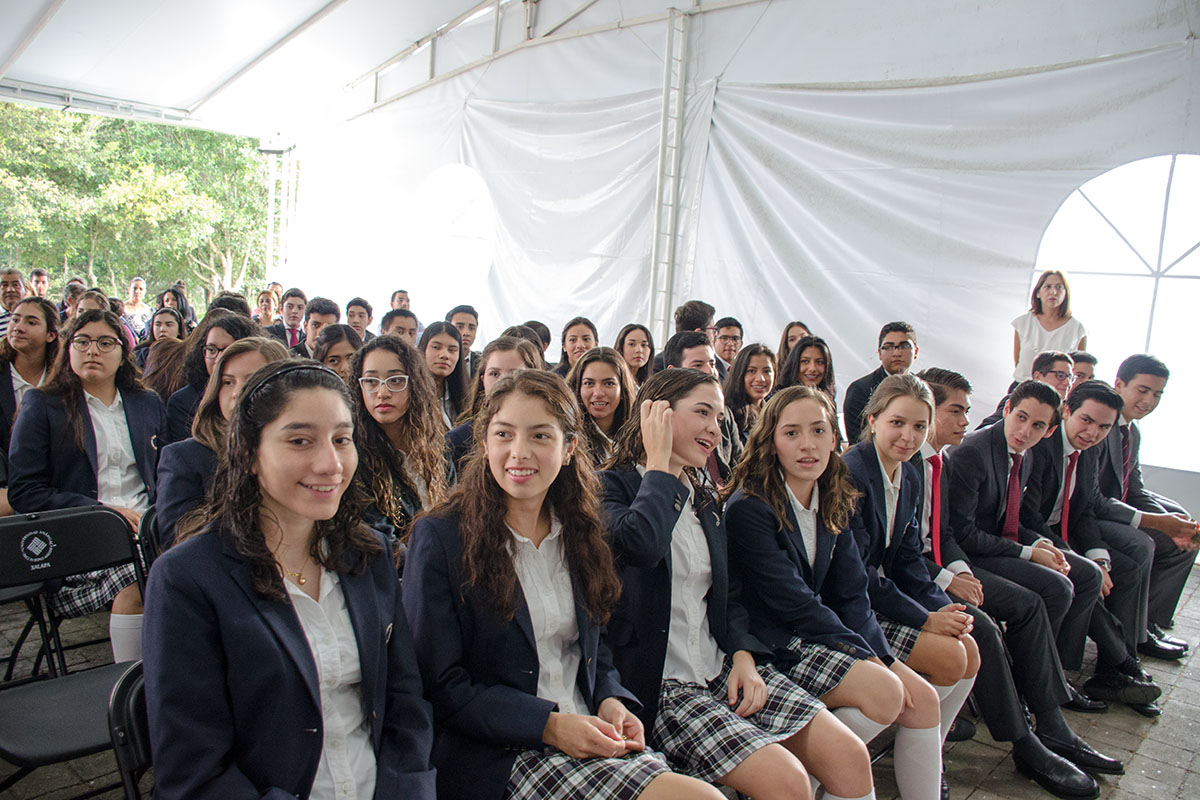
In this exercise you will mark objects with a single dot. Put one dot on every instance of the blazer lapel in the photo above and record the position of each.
(589, 638)
(281, 619)
(825, 542)
(8, 403)
(809, 562)
(359, 591)
(718, 552)
(89, 435)
(875, 476)
(140, 436)
(523, 620)
(999, 448)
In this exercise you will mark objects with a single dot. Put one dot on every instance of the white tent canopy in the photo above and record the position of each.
(841, 163)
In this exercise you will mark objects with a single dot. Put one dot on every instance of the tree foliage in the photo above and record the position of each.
(110, 199)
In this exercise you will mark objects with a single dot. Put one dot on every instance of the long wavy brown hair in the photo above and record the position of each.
(671, 385)
(380, 463)
(237, 498)
(625, 391)
(759, 473)
(209, 426)
(50, 317)
(480, 505)
(65, 384)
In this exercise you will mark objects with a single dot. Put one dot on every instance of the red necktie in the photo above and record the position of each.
(935, 507)
(1126, 461)
(1012, 509)
(714, 470)
(293, 337)
(1066, 506)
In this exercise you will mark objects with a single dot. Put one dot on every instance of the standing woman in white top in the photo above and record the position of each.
(27, 353)
(90, 437)
(278, 659)
(506, 586)
(680, 636)
(1047, 325)
(137, 311)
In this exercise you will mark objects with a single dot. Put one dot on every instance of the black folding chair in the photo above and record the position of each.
(62, 718)
(147, 537)
(31, 595)
(130, 730)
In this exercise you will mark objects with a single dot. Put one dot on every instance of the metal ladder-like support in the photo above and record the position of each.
(670, 159)
(281, 206)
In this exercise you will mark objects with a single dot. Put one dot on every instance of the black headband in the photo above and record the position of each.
(295, 366)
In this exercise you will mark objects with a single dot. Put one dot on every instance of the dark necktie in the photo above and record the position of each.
(1012, 508)
(1126, 461)
(1066, 504)
(293, 337)
(714, 470)
(935, 507)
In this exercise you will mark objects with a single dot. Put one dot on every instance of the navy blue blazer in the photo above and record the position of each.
(181, 407)
(824, 602)
(46, 468)
(641, 517)
(481, 673)
(231, 685)
(1037, 505)
(185, 471)
(8, 409)
(904, 591)
(458, 443)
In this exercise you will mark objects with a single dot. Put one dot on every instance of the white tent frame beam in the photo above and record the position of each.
(325, 11)
(71, 100)
(34, 30)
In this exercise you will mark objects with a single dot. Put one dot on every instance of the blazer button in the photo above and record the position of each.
(678, 505)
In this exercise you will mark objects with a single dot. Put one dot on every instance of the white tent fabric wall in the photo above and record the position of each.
(846, 164)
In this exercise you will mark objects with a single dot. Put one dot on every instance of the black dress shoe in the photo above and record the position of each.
(1081, 702)
(1156, 648)
(1147, 709)
(1158, 633)
(961, 730)
(1122, 688)
(1081, 754)
(1059, 777)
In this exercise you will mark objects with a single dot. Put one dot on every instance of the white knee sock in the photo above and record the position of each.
(918, 760)
(831, 796)
(125, 631)
(863, 726)
(952, 700)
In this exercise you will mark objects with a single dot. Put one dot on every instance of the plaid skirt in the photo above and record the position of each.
(89, 592)
(538, 774)
(818, 669)
(702, 736)
(901, 638)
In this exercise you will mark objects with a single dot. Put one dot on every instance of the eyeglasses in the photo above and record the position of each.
(212, 351)
(729, 339)
(889, 347)
(394, 383)
(104, 344)
(1060, 374)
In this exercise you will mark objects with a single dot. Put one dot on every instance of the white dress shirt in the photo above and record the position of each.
(806, 518)
(693, 655)
(891, 498)
(545, 582)
(21, 386)
(346, 770)
(118, 482)
(947, 573)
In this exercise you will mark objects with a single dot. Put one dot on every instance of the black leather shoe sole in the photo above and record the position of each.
(1054, 787)
(1132, 692)
(1087, 705)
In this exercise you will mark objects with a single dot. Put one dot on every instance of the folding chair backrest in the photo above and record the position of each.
(147, 537)
(48, 545)
(130, 729)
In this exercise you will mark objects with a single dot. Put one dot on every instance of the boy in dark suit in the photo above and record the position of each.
(1141, 380)
(291, 314)
(897, 349)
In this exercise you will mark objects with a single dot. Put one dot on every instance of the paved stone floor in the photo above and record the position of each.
(1162, 756)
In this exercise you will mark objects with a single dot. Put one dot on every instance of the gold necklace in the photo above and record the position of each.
(299, 576)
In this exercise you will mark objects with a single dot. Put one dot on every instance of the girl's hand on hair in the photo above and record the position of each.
(131, 516)
(951, 620)
(656, 434)
(625, 721)
(583, 736)
(744, 676)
